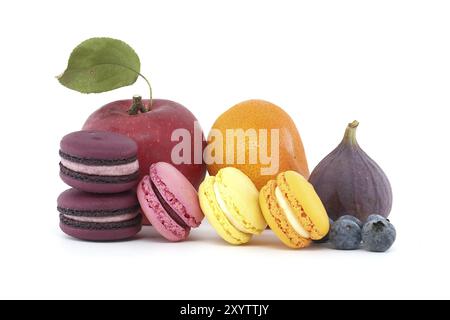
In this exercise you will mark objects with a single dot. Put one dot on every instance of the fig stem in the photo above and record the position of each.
(354, 124)
(350, 133)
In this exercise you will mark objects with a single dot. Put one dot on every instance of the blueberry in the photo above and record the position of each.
(345, 234)
(327, 237)
(378, 234)
(352, 218)
(375, 217)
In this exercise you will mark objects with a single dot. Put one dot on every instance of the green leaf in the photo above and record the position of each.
(101, 64)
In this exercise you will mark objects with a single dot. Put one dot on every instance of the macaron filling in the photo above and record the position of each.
(120, 218)
(97, 178)
(225, 210)
(101, 216)
(171, 212)
(96, 162)
(136, 221)
(290, 214)
(102, 170)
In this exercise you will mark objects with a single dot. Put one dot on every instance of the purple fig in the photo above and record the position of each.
(348, 181)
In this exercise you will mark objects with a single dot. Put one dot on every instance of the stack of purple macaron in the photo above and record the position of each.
(103, 170)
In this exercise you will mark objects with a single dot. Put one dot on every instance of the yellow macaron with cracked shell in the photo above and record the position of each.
(293, 210)
(229, 201)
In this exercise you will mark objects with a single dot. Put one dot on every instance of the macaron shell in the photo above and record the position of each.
(98, 187)
(216, 217)
(157, 215)
(78, 200)
(100, 235)
(277, 220)
(305, 202)
(241, 198)
(178, 192)
(99, 145)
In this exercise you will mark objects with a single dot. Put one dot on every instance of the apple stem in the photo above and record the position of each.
(137, 106)
(150, 90)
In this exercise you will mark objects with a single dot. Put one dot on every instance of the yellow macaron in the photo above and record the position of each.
(293, 210)
(230, 203)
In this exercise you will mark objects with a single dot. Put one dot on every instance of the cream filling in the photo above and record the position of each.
(119, 170)
(120, 218)
(225, 210)
(290, 214)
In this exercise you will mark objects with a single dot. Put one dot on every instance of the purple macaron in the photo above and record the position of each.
(99, 162)
(99, 217)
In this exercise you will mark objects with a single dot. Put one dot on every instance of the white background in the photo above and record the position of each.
(384, 63)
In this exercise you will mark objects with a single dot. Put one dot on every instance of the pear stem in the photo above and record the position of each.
(350, 133)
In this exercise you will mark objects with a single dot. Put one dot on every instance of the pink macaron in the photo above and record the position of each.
(169, 201)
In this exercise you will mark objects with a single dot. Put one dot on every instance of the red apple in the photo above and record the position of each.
(152, 130)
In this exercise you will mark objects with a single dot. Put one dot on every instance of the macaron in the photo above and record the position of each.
(293, 210)
(99, 162)
(229, 201)
(169, 201)
(99, 217)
